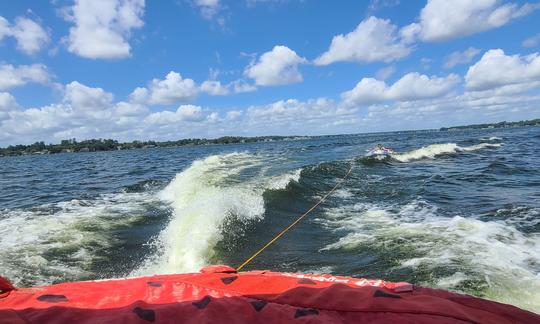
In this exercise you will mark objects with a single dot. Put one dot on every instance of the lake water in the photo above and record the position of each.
(455, 210)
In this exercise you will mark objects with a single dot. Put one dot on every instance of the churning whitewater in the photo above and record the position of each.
(455, 210)
(202, 197)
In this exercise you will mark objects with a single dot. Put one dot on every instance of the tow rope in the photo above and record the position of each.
(278, 236)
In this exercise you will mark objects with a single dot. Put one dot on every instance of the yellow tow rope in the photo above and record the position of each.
(296, 221)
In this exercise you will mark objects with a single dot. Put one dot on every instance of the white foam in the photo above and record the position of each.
(492, 138)
(479, 147)
(434, 150)
(281, 181)
(57, 242)
(203, 196)
(343, 193)
(494, 252)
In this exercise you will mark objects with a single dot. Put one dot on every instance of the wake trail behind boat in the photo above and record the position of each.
(492, 259)
(434, 150)
(202, 198)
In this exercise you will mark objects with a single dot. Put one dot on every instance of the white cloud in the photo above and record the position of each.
(7, 105)
(172, 89)
(234, 115)
(241, 86)
(14, 76)
(412, 86)
(292, 116)
(214, 88)
(532, 41)
(139, 95)
(442, 20)
(87, 112)
(102, 27)
(7, 102)
(84, 111)
(497, 69)
(458, 57)
(176, 89)
(31, 37)
(452, 111)
(409, 33)
(373, 40)
(85, 98)
(277, 67)
(505, 90)
(126, 109)
(189, 113)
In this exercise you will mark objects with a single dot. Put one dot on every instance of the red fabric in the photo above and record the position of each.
(217, 294)
(5, 285)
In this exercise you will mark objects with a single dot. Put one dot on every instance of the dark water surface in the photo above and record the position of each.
(456, 210)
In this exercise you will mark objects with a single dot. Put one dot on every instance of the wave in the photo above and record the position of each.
(491, 259)
(434, 150)
(203, 197)
(492, 139)
(59, 242)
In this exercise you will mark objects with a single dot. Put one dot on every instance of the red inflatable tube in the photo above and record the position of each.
(220, 295)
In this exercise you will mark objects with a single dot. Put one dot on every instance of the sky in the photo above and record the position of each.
(173, 69)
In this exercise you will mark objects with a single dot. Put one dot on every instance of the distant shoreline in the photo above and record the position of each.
(99, 145)
(503, 124)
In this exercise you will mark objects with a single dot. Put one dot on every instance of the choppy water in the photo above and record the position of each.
(456, 210)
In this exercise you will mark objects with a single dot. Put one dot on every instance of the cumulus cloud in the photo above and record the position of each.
(103, 27)
(214, 88)
(83, 112)
(292, 116)
(172, 89)
(457, 57)
(496, 69)
(7, 101)
(30, 36)
(234, 115)
(412, 86)
(85, 98)
(7, 105)
(176, 89)
(241, 86)
(276, 67)
(88, 112)
(183, 113)
(373, 40)
(14, 76)
(442, 20)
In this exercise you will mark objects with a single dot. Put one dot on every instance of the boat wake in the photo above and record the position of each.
(428, 152)
(434, 150)
(490, 259)
(203, 197)
(59, 242)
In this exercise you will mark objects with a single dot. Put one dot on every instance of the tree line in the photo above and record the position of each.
(94, 145)
(503, 124)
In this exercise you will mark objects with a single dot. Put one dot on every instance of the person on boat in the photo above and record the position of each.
(382, 149)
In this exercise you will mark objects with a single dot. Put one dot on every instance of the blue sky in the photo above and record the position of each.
(127, 69)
